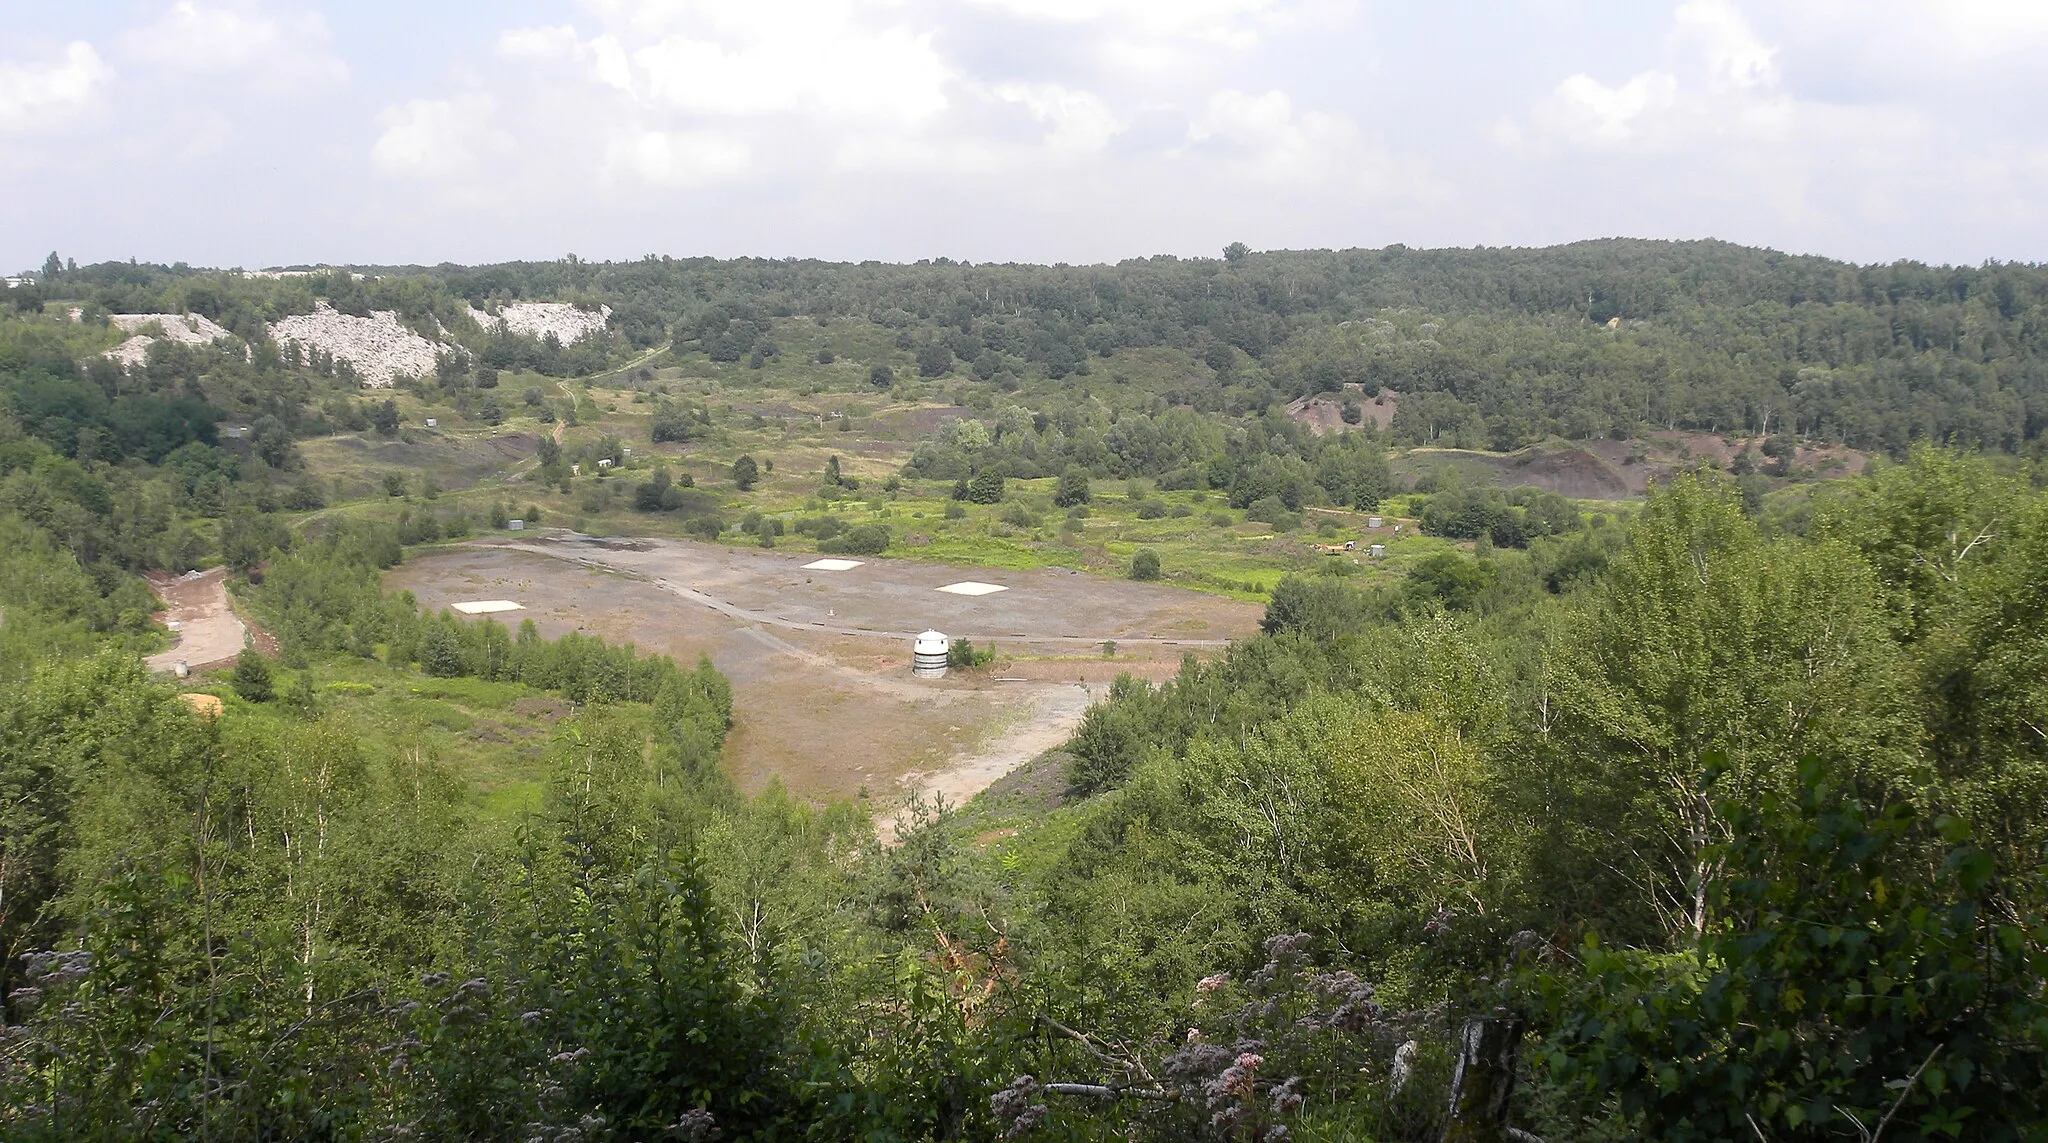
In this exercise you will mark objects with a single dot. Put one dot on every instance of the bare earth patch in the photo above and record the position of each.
(824, 700)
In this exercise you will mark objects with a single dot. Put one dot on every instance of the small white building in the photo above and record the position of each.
(515, 525)
(433, 423)
(604, 462)
(1375, 521)
(928, 655)
(1377, 551)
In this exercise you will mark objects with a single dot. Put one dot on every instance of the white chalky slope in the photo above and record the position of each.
(379, 346)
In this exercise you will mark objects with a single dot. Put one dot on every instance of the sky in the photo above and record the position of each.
(261, 133)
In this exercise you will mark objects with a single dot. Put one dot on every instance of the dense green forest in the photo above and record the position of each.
(1727, 814)
(1497, 347)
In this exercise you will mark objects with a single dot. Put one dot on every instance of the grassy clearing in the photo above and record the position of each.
(491, 737)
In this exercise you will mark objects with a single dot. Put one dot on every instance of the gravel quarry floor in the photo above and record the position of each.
(824, 701)
(1046, 609)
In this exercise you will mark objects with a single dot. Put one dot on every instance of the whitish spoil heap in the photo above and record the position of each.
(538, 319)
(378, 346)
(191, 329)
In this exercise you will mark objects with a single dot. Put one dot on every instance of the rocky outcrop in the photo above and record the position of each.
(568, 323)
(189, 329)
(378, 347)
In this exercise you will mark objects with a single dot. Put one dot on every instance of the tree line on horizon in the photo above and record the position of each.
(1489, 348)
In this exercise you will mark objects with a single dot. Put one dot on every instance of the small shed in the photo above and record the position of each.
(515, 525)
(1375, 521)
(433, 422)
(1377, 551)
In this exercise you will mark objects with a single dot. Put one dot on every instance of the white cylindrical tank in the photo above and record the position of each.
(928, 655)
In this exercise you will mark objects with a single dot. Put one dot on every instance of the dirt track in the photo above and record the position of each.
(209, 631)
(824, 699)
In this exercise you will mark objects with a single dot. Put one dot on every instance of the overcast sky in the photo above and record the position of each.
(267, 132)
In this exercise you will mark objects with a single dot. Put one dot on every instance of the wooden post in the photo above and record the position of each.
(1483, 1080)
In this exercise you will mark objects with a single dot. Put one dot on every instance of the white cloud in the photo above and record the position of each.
(1589, 113)
(843, 72)
(1980, 28)
(441, 140)
(1150, 40)
(602, 59)
(1919, 33)
(41, 93)
(829, 59)
(922, 105)
(1269, 141)
(1723, 82)
(679, 158)
(1234, 22)
(239, 40)
(1727, 46)
(1078, 121)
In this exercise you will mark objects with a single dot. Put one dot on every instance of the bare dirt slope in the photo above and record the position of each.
(1324, 412)
(1615, 470)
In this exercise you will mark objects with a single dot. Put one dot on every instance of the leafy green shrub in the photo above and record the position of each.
(1073, 487)
(962, 653)
(1272, 510)
(1145, 565)
(860, 540)
(745, 473)
(820, 528)
(1323, 608)
(672, 422)
(986, 487)
(1449, 579)
(1848, 983)
(252, 678)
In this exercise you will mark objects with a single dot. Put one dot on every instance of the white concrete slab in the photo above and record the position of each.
(488, 606)
(832, 565)
(970, 587)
